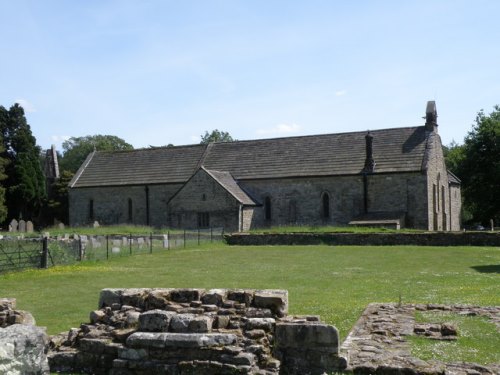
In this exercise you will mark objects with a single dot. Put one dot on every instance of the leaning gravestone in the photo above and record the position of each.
(29, 226)
(13, 225)
(22, 226)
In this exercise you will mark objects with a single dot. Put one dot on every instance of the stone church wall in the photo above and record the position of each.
(400, 192)
(298, 201)
(111, 205)
(441, 216)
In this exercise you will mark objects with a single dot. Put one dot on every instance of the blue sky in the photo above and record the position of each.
(160, 72)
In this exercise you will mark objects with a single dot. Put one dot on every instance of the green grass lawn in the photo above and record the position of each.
(335, 282)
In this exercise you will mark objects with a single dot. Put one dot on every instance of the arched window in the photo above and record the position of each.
(91, 210)
(325, 206)
(267, 208)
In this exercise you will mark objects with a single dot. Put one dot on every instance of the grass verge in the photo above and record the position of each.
(478, 340)
(334, 282)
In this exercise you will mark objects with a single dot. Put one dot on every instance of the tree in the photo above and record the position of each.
(76, 149)
(216, 136)
(478, 166)
(25, 183)
(3, 176)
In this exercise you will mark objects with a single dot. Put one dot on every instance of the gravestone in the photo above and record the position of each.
(140, 242)
(60, 225)
(13, 225)
(165, 241)
(22, 226)
(96, 224)
(29, 226)
(125, 241)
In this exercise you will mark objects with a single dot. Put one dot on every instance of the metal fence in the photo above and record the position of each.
(19, 253)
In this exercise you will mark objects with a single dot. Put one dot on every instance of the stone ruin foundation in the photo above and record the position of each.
(223, 331)
(377, 344)
(197, 332)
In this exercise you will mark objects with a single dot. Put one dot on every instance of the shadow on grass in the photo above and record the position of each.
(490, 268)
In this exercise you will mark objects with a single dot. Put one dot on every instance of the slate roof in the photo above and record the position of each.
(394, 150)
(227, 182)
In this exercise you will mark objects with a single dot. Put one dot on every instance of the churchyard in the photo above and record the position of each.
(335, 282)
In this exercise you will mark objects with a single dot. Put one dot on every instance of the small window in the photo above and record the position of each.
(91, 210)
(130, 210)
(203, 197)
(325, 206)
(203, 220)
(267, 208)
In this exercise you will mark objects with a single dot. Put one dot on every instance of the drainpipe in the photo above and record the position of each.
(368, 169)
(146, 189)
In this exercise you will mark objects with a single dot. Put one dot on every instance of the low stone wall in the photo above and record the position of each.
(197, 332)
(372, 239)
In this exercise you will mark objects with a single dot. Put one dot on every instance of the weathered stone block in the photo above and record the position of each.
(290, 335)
(135, 297)
(132, 354)
(186, 295)
(191, 323)
(94, 346)
(275, 300)
(108, 297)
(158, 299)
(22, 350)
(97, 316)
(214, 297)
(260, 323)
(147, 340)
(241, 296)
(155, 320)
(7, 304)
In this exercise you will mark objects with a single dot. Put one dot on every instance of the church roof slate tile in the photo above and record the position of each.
(394, 150)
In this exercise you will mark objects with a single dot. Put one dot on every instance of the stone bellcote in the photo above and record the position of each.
(431, 116)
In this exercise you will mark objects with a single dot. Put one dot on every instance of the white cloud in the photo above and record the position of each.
(340, 93)
(27, 106)
(279, 130)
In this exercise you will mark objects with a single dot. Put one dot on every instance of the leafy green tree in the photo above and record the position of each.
(478, 166)
(216, 136)
(25, 183)
(76, 149)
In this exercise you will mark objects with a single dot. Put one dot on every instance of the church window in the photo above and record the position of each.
(91, 209)
(130, 210)
(203, 220)
(203, 197)
(267, 208)
(325, 206)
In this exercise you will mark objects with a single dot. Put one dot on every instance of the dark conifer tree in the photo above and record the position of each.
(25, 182)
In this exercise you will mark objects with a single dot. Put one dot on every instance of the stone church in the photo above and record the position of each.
(389, 177)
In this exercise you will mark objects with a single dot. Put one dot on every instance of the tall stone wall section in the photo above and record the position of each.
(444, 204)
(111, 204)
(197, 332)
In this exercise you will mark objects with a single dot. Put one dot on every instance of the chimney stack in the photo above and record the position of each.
(369, 161)
(431, 116)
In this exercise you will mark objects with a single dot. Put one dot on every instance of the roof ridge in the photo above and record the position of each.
(204, 156)
(80, 170)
